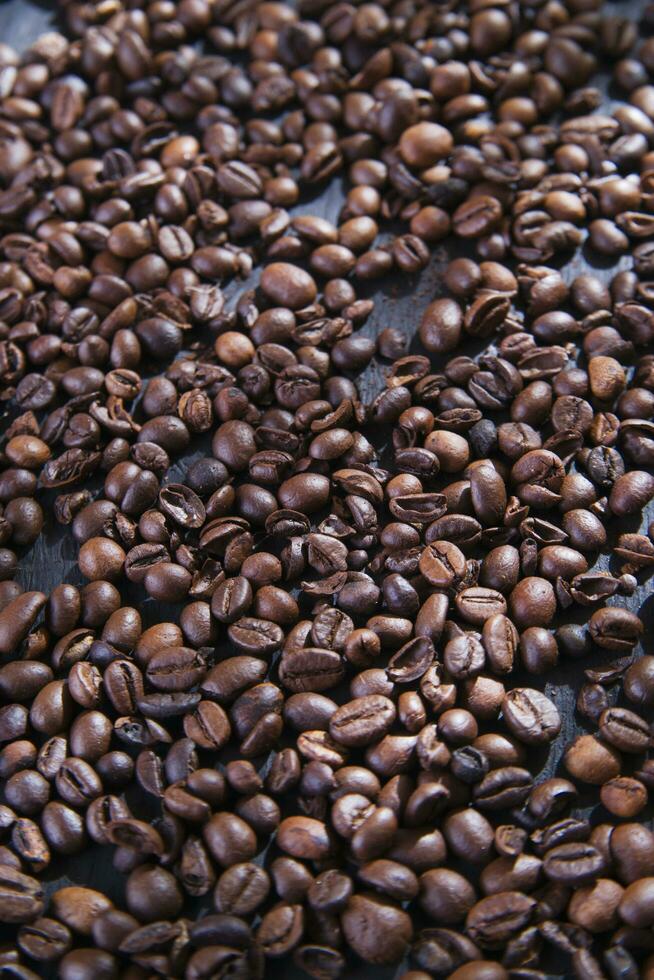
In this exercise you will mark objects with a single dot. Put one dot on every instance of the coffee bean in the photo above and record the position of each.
(623, 796)
(310, 669)
(208, 725)
(624, 729)
(615, 629)
(390, 878)
(530, 716)
(377, 930)
(241, 889)
(446, 896)
(590, 761)
(594, 907)
(319, 960)
(635, 904)
(509, 785)
(21, 896)
(500, 640)
(532, 602)
(229, 839)
(44, 939)
(572, 863)
(442, 564)
(17, 618)
(175, 669)
(631, 492)
(286, 285)
(304, 837)
(468, 833)
(494, 920)
(362, 721)
(411, 661)
(77, 907)
(255, 636)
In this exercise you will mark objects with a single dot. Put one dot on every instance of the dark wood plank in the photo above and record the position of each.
(21, 21)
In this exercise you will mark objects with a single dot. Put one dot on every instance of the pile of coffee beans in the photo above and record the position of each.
(305, 687)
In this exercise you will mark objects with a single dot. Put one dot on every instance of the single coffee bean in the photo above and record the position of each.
(21, 896)
(362, 721)
(591, 761)
(241, 889)
(377, 930)
(494, 920)
(530, 716)
(624, 729)
(45, 939)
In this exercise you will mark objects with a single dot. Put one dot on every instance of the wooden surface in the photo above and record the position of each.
(53, 559)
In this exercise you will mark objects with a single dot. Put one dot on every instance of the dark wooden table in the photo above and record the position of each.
(398, 303)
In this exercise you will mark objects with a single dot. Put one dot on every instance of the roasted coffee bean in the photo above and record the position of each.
(639, 681)
(304, 837)
(45, 939)
(623, 796)
(411, 661)
(319, 961)
(255, 636)
(21, 896)
(591, 761)
(362, 721)
(446, 896)
(310, 669)
(572, 863)
(17, 618)
(494, 920)
(241, 889)
(615, 628)
(624, 729)
(442, 564)
(508, 786)
(500, 640)
(377, 930)
(175, 669)
(469, 833)
(530, 716)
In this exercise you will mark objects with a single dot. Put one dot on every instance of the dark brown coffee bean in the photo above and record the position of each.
(44, 939)
(377, 930)
(615, 629)
(573, 863)
(310, 669)
(362, 721)
(446, 896)
(304, 837)
(624, 729)
(175, 669)
(411, 661)
(494, 920)
(442, 564)
(241, 889)
(208, 725)
(21, 896)
(17, 618)
(500, 640)
(319, 961)
(530, 716)
(280, 929)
